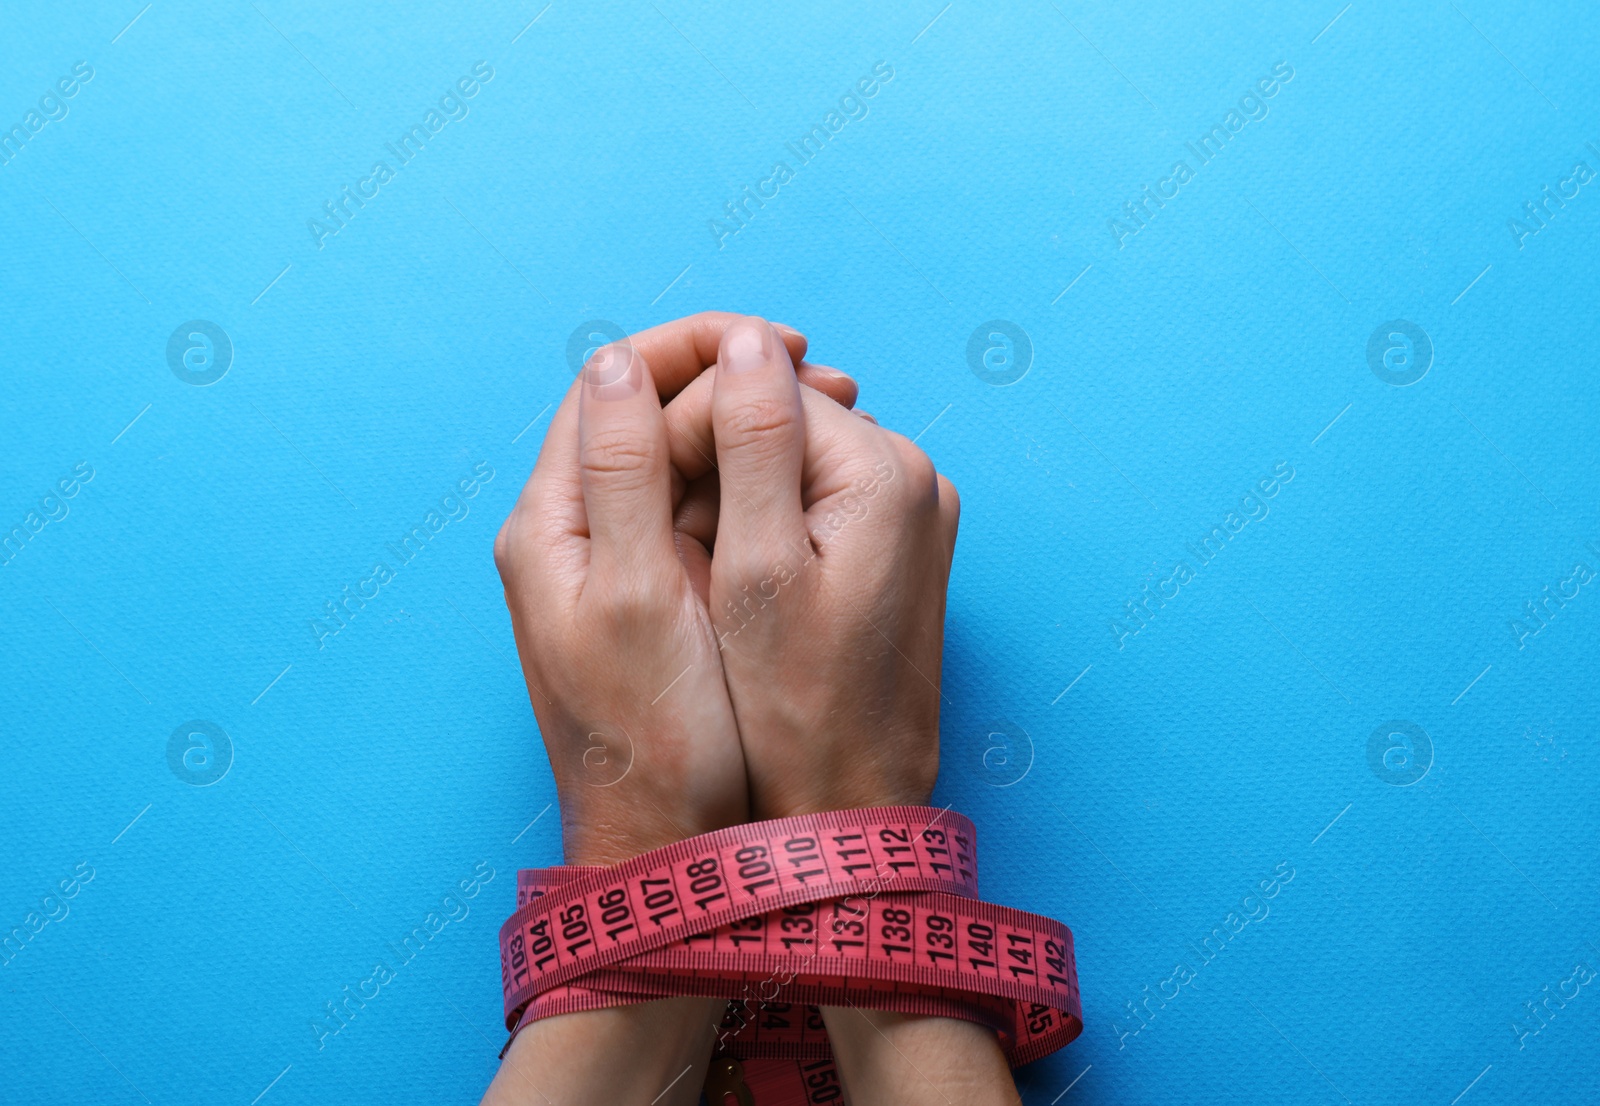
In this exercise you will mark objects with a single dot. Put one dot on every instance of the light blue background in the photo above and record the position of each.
(1227, 336)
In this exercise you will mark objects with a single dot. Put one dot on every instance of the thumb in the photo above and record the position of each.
(759, 427)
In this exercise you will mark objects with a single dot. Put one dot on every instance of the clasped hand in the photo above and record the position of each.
(728, 592)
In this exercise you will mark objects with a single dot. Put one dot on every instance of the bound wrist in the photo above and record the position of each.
(599, 838)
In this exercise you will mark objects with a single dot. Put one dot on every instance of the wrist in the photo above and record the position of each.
(890, 1059)
(592, 834)
(649, 1051)
(843, 795)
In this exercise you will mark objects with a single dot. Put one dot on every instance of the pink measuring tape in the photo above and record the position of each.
(875, 908)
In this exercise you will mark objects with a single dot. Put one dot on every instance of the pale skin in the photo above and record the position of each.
(723, 578)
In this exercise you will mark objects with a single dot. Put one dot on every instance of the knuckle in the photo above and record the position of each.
(502, 551)
(618, 457)
(760, 421)
(626, 602)
(508, 545)
(751, 568)
(918, 480)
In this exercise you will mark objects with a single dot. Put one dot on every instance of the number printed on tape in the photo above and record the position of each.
(871, 908)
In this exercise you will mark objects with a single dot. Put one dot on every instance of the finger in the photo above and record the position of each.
(694, 530)
(694, 450)
(556, 470)
(949, 515)
(868, 417)
(624, 467)
(758, 425)
(677, 352)
(842, 448)
(689, 438)
(548, 517)
(837, 386)
(549, 514)
(831, 432)
(696, 514)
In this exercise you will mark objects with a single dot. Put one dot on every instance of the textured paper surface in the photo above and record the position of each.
(1172, 743)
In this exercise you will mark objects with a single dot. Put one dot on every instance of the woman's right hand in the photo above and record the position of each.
(831, 553)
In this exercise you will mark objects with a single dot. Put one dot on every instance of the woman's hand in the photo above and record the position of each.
(617, 649)
(831, 553)
(832, 549)
(622, 665)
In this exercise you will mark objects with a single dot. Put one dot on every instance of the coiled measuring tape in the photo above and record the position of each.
(874, 908)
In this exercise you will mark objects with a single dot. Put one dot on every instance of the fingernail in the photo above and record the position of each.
(614, 372)
(785, 328)
(746, 345)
